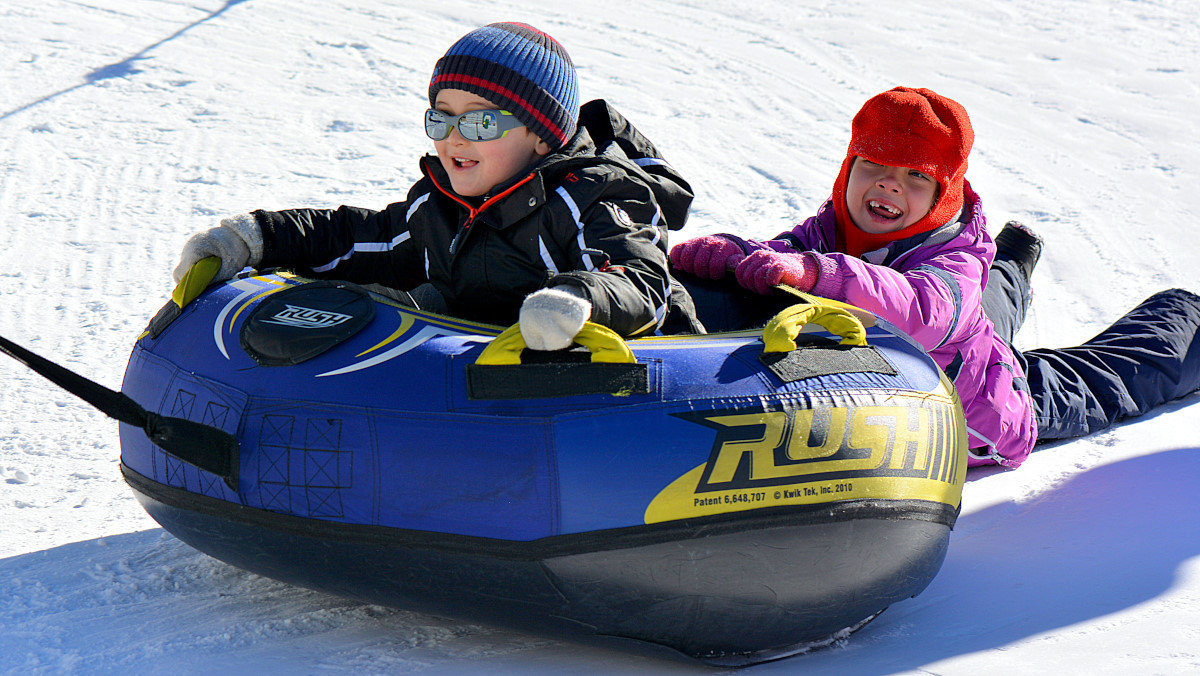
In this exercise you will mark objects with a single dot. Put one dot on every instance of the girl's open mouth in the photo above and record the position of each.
(882, 210)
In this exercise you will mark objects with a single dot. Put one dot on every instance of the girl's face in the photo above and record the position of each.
(475, 167)
(882, 198)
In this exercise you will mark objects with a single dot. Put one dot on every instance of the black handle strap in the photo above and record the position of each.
(206, 447)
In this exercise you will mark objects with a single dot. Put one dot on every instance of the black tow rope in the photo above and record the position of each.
(204, 446)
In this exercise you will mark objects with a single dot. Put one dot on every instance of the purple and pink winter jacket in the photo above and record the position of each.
(930, 286)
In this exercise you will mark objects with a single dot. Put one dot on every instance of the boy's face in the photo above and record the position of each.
(882, 198)
(475, 167)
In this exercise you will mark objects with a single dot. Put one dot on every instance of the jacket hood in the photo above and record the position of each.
(605, 135)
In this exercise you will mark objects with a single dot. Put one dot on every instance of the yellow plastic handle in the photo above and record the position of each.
(780, 333)
(196, 280)
(604, 344)
(865, 317)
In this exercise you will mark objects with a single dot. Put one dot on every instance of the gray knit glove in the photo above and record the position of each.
(238, 242)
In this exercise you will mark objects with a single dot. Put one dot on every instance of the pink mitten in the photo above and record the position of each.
(709, 256)
(762, 271)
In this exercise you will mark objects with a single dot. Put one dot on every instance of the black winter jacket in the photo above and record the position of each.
(593, 215)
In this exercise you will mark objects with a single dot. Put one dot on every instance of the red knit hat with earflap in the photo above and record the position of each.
(914, 128)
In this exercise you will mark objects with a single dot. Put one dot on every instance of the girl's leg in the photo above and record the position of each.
(1007, 296)
(1148, 357)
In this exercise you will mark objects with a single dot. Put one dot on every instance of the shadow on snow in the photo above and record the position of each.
(1101, 542)
(124, 68)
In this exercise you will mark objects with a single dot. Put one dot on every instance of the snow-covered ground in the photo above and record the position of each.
(125, 125)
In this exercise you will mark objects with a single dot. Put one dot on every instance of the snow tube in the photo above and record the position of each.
(737, 496)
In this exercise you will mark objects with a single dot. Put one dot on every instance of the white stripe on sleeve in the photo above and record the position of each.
(364, 247)
(546, 256)
(574, 208)
(413, 207)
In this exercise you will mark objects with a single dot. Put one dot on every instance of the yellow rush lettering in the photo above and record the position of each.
(911, 449)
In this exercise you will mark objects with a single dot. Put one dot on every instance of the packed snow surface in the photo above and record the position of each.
(127, 125)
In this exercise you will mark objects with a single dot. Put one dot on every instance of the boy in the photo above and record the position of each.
(533, 208)
(904, 236)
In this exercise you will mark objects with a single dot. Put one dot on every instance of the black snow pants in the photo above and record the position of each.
(1149, 356)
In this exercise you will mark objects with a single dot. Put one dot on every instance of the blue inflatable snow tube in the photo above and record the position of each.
(736, 496)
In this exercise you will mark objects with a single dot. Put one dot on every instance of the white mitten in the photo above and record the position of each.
(551, 318)
(238, 242)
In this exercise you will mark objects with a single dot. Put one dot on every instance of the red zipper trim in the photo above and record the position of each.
(475, 211)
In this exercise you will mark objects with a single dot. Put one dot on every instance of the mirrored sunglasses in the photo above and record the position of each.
(475, 125)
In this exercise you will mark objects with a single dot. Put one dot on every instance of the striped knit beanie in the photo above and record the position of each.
(915, 128)
(520, 69)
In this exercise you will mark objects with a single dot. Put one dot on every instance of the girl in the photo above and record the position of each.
(904, 236)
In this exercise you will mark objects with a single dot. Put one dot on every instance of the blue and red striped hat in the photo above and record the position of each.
(520, 69)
